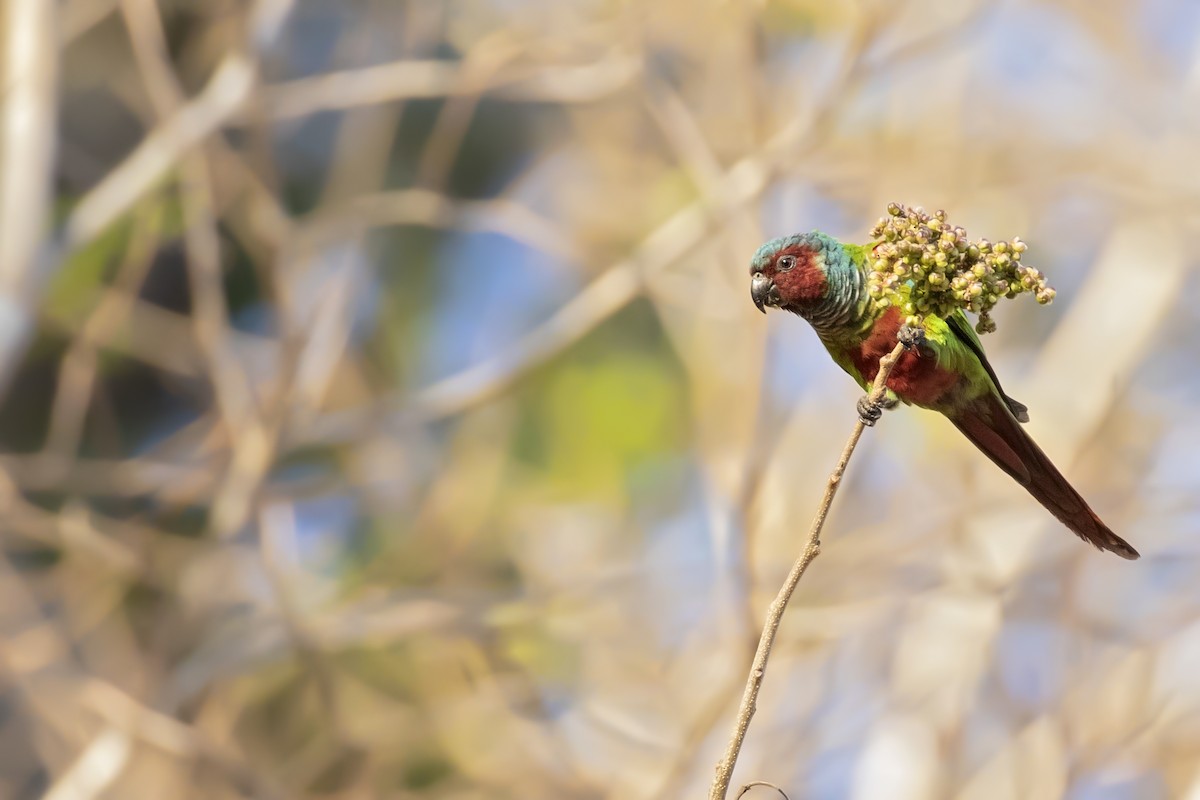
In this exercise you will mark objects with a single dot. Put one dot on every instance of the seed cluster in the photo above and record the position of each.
(924, 265)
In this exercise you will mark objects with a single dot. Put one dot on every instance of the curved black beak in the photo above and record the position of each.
(763, 292)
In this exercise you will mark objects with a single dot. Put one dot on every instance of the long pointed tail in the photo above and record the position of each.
(993, 429)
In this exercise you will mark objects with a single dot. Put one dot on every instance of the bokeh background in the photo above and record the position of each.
(385, 414)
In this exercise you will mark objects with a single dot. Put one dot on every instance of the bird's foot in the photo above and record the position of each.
(869, 412)
(911, 336)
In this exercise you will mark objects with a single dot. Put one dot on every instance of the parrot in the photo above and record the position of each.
(943, 367)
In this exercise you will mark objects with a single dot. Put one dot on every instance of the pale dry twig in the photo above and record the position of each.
(812, 548)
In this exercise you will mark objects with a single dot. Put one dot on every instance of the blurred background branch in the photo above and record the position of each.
(26, 168)
(384, 413)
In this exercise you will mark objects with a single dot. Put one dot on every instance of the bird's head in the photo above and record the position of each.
(793, 272)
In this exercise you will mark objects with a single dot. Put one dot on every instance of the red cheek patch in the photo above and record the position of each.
(804, 282)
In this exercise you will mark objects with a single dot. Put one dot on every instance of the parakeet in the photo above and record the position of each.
(825, 282)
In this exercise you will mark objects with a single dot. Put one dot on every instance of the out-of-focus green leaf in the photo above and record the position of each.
(600, 419)
(75, 287)
(77, 284)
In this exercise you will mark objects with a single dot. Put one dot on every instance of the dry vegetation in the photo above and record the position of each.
(385, 414)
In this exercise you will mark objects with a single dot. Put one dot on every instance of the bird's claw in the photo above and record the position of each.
(911, 336)
(868, 411)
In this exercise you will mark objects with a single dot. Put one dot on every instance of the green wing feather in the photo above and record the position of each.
(961, 328)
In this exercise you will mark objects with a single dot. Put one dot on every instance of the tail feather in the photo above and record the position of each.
(1018, 409)
(991, 426)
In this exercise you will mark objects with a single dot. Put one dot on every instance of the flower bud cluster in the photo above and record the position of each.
(924, 265)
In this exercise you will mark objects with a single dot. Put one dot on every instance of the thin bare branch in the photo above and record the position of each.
(135, 720)
(754, 784)
(29, 136)
(96, 768)
(80, 365)
(616, 287)
(413, 80)
(436, 210)
(277, 531)
(77, 17)
(236, 402)
(812, 548)
(159, 152)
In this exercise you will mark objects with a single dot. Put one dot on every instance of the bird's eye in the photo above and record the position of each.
(786, 262)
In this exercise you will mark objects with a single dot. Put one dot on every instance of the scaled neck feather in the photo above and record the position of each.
(844, 305)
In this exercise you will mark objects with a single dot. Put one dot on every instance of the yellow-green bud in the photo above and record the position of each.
(940, 270)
